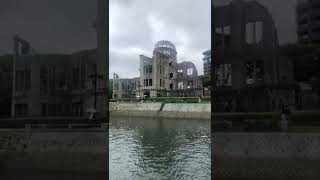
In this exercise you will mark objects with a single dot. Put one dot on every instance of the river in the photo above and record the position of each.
(151, 148)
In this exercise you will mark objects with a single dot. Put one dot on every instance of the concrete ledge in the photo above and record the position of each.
(169, 110)
(134, 113)
(266, 156)
(68, 152)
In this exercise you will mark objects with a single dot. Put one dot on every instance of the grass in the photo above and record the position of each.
(166, 100)
(300, 121)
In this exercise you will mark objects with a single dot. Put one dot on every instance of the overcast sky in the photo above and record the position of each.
(51, 26)
(65, 26)
(136, 25)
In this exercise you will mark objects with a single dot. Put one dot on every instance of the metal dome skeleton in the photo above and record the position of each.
(166, 44)
(165, 47)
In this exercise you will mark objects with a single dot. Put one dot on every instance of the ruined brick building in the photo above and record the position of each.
(161, 76)
(250, 74)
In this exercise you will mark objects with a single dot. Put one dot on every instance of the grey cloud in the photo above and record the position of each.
(52, 26)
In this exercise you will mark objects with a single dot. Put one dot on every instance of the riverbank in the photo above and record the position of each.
(60, 152)
(266, 155)
(157, 109)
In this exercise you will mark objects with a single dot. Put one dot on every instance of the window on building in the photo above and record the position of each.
(180, 85)
(170, 63)
(44, 109)
(254, 32)
(249, 32)
(17, 83)
(75, 77)
(160, 69)
(223, 36)
(148, 69)
(83, 75)
(76, 109)
(52, 79)
(43, 80)
(27, 79)
(258, 31)
(160, 82)
(223, 74)
(254, 71)
(171, 86)
(171, 75)
(116, 86)
(150, 82)
(189, 71)
(180, 70)
(189, 84)
(21, 110)
(62, 80)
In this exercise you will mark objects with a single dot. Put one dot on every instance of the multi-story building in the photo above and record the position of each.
(125, 88)
(161, 75)
(55, 84)
(207, 69)
(308, 21)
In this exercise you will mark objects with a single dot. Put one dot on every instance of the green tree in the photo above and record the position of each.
(206, 80)
(110, 88)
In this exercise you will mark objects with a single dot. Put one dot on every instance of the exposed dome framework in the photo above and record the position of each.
(165, 44)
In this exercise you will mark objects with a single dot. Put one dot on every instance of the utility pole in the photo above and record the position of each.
(15, 56)
(95, 87)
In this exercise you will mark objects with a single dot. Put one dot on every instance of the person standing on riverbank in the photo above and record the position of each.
(285, 116)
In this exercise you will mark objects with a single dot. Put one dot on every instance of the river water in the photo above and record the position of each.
(150, 148)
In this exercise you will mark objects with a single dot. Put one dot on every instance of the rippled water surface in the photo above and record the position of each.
(145, 148)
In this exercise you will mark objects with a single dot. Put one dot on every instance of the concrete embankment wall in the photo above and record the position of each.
(170, 110)
(29, 153)
(186, 110)
(266, 156)
(134, 109)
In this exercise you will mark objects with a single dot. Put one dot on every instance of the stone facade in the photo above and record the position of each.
(55, 84)
(250, 73)
(161, 75)
(125, 88)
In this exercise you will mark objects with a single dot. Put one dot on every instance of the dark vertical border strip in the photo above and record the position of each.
(103, 41)
(107, 79)
(212, 85)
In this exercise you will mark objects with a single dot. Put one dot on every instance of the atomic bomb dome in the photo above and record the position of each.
(166, 47)
(164, 43)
